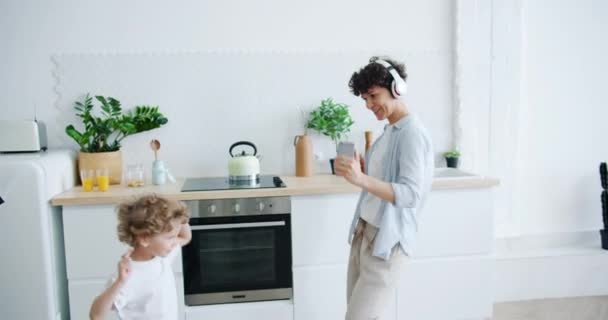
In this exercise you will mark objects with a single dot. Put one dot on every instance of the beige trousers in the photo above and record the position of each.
(371, 281)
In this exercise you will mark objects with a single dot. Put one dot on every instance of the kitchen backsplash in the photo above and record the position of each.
(215, 98)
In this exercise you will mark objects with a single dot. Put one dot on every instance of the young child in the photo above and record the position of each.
(144, 287)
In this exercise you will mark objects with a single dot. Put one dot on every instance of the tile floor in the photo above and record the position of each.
(580, 308)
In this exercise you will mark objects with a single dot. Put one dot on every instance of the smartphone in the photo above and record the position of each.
(346, 149)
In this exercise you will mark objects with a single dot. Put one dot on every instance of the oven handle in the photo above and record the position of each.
(238, 225)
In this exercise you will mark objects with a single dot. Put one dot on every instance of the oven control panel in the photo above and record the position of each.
(239, 206)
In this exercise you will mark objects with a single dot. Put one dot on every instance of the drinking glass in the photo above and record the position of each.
(103, 179)
(88, 179)
(135, 175)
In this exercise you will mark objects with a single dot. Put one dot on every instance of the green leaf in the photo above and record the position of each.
(452, 153)
(73, 133)
(330, 119)
(104, 133)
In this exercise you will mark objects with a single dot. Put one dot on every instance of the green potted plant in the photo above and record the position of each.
(331, 119)
(100, 140)
(451, 158)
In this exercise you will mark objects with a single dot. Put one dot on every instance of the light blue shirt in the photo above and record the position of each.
(409, 169)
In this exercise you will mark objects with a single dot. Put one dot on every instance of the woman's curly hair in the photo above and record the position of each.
(148, 215)
(375, 74)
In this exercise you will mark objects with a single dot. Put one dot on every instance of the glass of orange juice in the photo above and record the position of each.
(103, 179)
(88, 179)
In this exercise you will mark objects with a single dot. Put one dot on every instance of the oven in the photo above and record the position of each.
(240, 251)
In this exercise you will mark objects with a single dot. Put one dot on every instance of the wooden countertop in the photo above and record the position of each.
(318, 184)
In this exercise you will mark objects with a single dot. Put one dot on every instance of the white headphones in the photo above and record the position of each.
(398, 86)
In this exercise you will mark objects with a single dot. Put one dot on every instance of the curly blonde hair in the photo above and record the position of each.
(148, 215)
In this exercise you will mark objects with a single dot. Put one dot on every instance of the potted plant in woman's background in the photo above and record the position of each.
(100, 140)
(451, 158)
(331, 119)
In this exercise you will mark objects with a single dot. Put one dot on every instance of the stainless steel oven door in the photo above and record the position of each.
(238, 258)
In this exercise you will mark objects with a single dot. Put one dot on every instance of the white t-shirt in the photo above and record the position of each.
(150, 291)
(370, 205)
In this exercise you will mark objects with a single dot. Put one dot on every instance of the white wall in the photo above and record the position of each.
(542, 118)
(548, 107)
(32, 33)
(565, 112)
(506, 110)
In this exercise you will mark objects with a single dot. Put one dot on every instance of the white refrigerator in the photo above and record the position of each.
(33, 282)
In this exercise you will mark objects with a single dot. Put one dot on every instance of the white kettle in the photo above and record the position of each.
(244, 166)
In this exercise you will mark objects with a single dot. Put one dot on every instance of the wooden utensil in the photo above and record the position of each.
(368, 140)
(155, 145)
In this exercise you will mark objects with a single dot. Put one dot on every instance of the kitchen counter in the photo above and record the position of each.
(318, 184)
(456, 234)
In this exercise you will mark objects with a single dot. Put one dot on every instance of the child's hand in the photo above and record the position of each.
(185, 234)
(124, 267)
(102, 305)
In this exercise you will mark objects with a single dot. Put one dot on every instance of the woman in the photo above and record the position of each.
(394, 183)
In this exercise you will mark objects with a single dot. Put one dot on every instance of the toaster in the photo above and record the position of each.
(22, 136)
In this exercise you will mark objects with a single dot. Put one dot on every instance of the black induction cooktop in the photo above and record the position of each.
(209, 184)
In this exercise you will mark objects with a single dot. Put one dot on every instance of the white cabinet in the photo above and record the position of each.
(449, 276)
(320, 226)
(82, 294)
(446, 289)
(320, 293)
(91, 242)
(452, 223)
(456, 222)
(268, 310)
(92, 253)
(429, 289)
